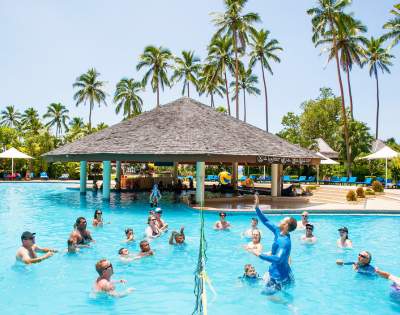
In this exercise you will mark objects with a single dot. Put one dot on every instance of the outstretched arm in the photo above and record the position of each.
(273, 228)
(279, 257)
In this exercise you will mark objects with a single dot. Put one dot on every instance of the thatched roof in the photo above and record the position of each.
(325, 149)
(184, 131)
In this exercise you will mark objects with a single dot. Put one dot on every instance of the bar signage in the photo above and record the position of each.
(282, 160)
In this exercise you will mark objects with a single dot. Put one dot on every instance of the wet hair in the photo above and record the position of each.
(78, 220)
(254, 219)
(150, 218)
(95, 213)
(222, 213)
(128, 230)
(120, 250)
(142, 243)
(292, 224)
(370, 256)
(99, 267)
(258, 232)
(247, 267)
(70, 242)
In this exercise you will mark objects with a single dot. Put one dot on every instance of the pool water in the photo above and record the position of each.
(164, 283)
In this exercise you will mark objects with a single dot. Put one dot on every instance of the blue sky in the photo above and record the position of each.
(45, 45)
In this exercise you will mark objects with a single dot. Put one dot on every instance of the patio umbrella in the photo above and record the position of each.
(325, 161)
(385, 153)
(13, 154)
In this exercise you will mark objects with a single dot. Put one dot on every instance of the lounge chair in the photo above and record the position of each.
(302, 179)
(243, 178)
(253, 177)
(366, 182)
(343, 180)
(334, 180)
(352, 180)
(286, 179)
(311, 179)
(210, 178)
(64, 176)
(43, 175)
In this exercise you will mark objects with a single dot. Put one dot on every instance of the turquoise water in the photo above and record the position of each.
(164, 283)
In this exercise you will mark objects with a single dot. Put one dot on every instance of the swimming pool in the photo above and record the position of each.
(164, 283)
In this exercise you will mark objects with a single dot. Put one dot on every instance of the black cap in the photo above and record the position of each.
(345, 229)
(27, 235)
(310, 225)
(222, 213)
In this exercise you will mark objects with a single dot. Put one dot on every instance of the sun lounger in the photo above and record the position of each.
(334, 180)
(286, 179)
(343, 180)
(352, 180)
(43, 175)
(64, 176)
(302, 179)
(311, 179)
(366, 182)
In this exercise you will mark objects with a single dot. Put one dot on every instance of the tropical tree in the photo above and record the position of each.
(263, 50)
(377, 57)
(76, 129)
(393, 26)
(247, 84)
(327, 18)
(349, 46)
(187, 69)
(210, 82)
(219, 55)
(30, 120)
(236, 25)
(10, 117)
(156, 59)
(58, 115)
(126, 97)
(90, 89)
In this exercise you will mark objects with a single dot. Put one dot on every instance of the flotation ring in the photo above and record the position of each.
(224, 178)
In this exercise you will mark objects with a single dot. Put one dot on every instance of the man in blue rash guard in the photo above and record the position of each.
(280, 273)
(363, 265)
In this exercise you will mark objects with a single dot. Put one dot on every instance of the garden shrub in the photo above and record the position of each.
(369, 192)
(360, 192)
(351, 195)
(377, 186)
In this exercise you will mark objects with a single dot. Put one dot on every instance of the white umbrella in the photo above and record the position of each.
(385, 153)
(14, 154)
(324, 161)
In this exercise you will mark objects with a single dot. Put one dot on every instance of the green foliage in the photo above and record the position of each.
(369, 192)
(221, 109)
(126, 97)
(393, 25)
(187, 69)
(395, 169)
(377, 186)
(351, 195)
(360, 192)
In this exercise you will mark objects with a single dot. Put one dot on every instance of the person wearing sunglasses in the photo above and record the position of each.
(104, 283)
(309, 237)
(304, 221)
(80, 233)
(222, 224)
(255, 245)
(362, 265)
(98, 218)
(344, 241)
(27, 252)
(279, 273)
(152, 231)
(130, 235)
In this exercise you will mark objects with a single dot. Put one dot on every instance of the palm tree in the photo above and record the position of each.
(156, 59)
(90, 89)
(348, 45)
(327, 18)
(187, 68)
(29, 116)
(247, 84)
(219, 55)
(377, 58)
(76, 129)
(236, 25)
(264, 49)
(393, 26)
(10, 117)
(126, 97)
(58, 115)
(210, 82)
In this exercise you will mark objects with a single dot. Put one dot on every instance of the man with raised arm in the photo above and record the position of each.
(279, 271)
(27, 252)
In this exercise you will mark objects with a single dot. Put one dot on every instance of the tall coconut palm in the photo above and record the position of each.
(29, 116)
(247, 84)
(393, 26)
(126, 97)
(349, 46)
(76, 129)
(377, 58)
(220, 56)
(210, 82)
(327, 18)
(237, 25)
(157, 60)
(90, 89)
(58, 115)
(10, 117)
(264, 50)
(187, 69)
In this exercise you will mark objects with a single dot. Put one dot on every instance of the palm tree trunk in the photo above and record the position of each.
(236, 74)
(212, 100)
(158, 96)
(227, 94)
(344, 114)
(188, 90)
(266, 96)
(244, 104)
(377, 104)
(90, 114)
(350, 94)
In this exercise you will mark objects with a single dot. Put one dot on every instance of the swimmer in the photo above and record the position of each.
(130, 236)
(222, 224)
(254, 227)
(145, 250)
(104, 283)
(155, 196)
(344, 241)
(279, 271)
(98, 219)
(250, 274)
(309, 237)
(27, 252)
(81, 234)
(162, 226)
(178, 237)
(363, 264)
(304, 221)
(255, 245)
(124, 255)
(152, 230)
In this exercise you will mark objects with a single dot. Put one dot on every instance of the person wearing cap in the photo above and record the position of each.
(304, 221)
(309, 236)
(162, 226)
(104, 283)
(222, 224)
(27, 252)
(363, 264)
(344, 241)
(253, 227)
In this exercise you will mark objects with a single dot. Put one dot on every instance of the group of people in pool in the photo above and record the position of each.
(279, 274)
